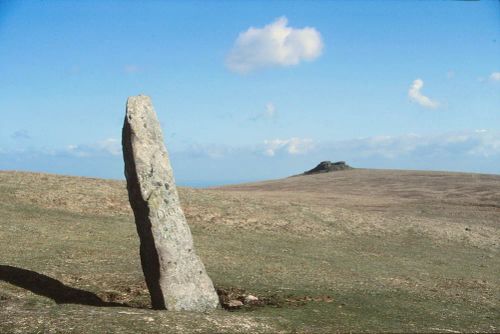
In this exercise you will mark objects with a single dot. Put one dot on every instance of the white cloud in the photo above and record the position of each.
(211, 151)
(292, 146)
(415, 95)
(488, 144)
(477, 143)
(275, 44)
(495, 76)
(270, 110)
(269, 113)
(110, 146)
(76, 151)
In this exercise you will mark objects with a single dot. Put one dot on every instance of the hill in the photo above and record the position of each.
(355, 250)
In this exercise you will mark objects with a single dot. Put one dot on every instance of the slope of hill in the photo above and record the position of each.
(356, 250)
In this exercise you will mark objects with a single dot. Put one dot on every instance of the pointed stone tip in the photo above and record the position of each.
(138, 97)
(138, 103)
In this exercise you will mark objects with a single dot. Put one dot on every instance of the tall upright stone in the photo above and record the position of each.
(174, 274)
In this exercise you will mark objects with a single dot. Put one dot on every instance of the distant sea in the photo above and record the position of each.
(206, 184)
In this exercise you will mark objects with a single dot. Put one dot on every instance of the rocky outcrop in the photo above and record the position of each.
(174, 274)
(328, 166)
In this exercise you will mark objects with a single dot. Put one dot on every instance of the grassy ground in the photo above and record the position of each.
(353, 251)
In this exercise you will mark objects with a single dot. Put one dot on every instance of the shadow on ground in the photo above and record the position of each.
(51, 288)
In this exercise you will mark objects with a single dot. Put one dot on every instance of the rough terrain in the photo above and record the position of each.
(355, 250)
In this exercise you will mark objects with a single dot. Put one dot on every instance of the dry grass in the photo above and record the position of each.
(358, 250)
(444, 206)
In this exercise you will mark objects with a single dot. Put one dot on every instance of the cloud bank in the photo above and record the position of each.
(468, 151)
(495, 76)
(472, 145)
(107, 146)
(415, 95)
(275, 44)
(292, 146)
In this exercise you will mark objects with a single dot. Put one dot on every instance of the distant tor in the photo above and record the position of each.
(328, 166)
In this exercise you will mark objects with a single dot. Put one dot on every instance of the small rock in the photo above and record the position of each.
(467, 229)
(234, 303)
(250, 299)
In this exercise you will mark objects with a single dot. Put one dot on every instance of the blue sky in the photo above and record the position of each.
(249, 90)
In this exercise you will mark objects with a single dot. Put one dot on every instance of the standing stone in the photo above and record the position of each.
(174, 274)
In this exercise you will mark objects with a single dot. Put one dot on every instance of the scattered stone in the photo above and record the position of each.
(468, 229)
(175, 276)
(229, 294)
(251, 299)
(234, 303)
(232, 298)
(328, 166)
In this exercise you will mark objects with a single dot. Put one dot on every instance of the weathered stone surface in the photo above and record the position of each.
(175, 276)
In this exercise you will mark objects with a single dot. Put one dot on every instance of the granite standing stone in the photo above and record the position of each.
(174, 274)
